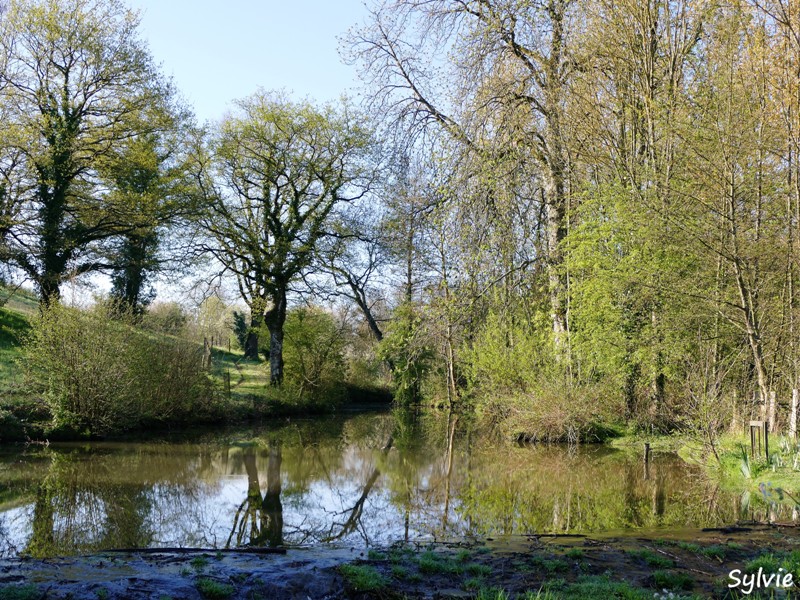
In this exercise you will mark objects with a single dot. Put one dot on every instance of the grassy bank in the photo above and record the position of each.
(772, 483)
(88, 359)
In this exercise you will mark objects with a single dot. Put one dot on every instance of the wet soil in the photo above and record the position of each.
(690, 563)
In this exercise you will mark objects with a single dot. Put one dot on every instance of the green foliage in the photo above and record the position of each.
(240, 328)
(63, 124)
(672, 580)
(20, 592)
(101, 375)
(507, 356)
(596, 586)
(651, 558)
(625, 330)
(524, 393)
(214, 590)
(492, 594)
(768, 562)
(409, 354)
(314, 354)
(11, 428)
(363, 578)
(399, 572)
(165, 317)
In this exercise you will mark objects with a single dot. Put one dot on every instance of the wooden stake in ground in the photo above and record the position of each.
(793, 415)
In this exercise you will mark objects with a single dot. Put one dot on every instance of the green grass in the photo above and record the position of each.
(574, 553)
(651, 558)
(589, 587)
(399, 572)
(538, 595)
(399, 554)
(429, 563)
(13, 328)
(375, 555)
(19, 300)
(718, 551)
(492, 594)
(473, 583)
(770, 562)
(20, 592)
(738, 470)
(249, 378)
(22, 414)
(672, 581)
(478, 570)
(363, 578)
(214, 590)
(551, 565)
(199, 563)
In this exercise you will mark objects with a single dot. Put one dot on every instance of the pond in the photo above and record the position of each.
(355, 480)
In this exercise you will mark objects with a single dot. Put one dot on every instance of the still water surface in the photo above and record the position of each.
(358, 480)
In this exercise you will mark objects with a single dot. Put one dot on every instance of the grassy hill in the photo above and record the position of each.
(240, 389)
(22, 413)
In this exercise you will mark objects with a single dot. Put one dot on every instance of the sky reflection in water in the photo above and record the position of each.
(359, 480)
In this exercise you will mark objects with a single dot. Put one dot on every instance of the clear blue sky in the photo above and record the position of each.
(220, 51)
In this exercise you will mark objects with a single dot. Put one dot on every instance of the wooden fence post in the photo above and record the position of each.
(772, 411)
(206, 353)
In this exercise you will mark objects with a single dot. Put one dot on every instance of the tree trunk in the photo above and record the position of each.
(50, 290)
(556, 232)
(251, 342)
(275, 318)
(271, 507)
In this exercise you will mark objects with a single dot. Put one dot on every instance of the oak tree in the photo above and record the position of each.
(279, 169)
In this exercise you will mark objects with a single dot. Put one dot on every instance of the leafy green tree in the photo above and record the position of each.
(315, 354)
(281, 168)
(75, 79)
(147, 178)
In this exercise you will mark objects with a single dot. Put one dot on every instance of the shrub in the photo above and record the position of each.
(524, 393)
(313, 353)
(406, 348)
(100, 374)
(240, 328)
(165, 317)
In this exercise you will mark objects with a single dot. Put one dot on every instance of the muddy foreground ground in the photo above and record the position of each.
(684, 564)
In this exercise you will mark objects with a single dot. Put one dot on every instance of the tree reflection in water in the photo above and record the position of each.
(363, 479)
(339, 530)
(260, 518)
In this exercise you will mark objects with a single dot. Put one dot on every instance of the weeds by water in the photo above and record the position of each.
(363, 578)
(652, 559)
(214, 590)
(20, 592)
(672, 580)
